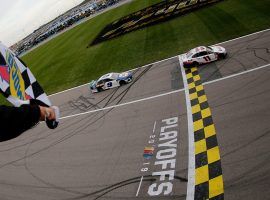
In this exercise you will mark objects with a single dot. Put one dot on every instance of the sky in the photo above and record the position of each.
(19, 18)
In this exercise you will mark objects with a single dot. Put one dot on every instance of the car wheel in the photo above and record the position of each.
(99, 89)
(122, 83)
(189, 66)
(129, 80)
(221, 56)
(195, 64)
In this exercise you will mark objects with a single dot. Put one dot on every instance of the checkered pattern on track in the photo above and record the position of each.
(208, 172)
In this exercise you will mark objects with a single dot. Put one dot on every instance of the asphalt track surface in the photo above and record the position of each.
(97, 151)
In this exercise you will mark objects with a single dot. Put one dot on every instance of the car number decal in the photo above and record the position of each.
(109, 84)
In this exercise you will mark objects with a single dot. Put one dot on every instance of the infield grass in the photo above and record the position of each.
(65, 62)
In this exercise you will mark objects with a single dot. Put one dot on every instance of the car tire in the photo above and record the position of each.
(221, 56)
(195, 64)
(189, 66)
(122, 83)
(99, 89)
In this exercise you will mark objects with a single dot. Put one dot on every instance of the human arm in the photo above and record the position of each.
(15, 120)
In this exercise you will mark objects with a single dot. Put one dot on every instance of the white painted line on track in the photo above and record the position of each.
(154, 63)
(139, 187)
(237, 74)
(191, 156)
(123, 104)
(154, 129)
(164, 94)
(244, 36)
(165, 60)
(128, 70)
(191, 148)
(68, 90)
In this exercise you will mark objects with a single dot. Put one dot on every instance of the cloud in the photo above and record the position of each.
(19, 18)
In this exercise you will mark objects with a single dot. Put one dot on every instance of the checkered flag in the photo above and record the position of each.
(17, 81)
(19, 86)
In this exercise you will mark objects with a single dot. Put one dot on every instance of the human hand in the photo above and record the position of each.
(47, 113)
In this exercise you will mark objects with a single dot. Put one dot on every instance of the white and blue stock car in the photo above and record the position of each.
(110, 80)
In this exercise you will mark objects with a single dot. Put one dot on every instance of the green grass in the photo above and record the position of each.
(65, 61)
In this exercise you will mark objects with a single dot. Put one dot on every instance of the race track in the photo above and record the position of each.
(111, 145)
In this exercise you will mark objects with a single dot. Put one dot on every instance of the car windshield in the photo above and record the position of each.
(189, 54)
(100, 82)
(209, 49)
